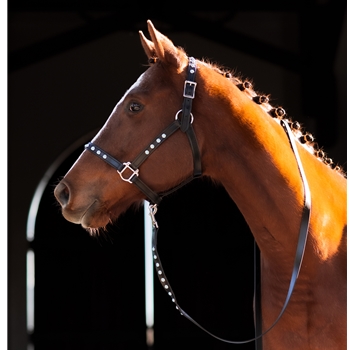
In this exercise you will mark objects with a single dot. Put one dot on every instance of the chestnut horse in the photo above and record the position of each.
(235, 137)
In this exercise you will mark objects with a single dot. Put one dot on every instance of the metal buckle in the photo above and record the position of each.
(134, 172)
(189, 89)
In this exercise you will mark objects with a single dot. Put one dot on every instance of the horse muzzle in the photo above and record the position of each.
(88, 215)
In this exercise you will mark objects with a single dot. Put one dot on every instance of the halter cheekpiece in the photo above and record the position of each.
(129, 172)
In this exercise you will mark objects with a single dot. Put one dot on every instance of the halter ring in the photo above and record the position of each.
(177, 116)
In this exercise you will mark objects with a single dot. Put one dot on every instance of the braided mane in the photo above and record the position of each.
(278, 113)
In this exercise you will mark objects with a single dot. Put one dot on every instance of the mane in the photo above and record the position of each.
(305, 138)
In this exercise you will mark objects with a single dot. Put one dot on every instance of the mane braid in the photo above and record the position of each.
(305, 138)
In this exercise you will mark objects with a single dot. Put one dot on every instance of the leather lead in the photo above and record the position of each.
(303, 233)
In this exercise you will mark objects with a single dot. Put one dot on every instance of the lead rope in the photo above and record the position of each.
(303, 233)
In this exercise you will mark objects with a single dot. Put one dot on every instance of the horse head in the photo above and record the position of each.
(93, 193)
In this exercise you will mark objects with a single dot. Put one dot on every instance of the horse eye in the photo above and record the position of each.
(135, 107)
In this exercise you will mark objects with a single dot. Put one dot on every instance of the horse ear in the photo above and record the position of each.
(148, 46)
(162, 48)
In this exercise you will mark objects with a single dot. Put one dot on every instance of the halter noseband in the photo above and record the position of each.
(185, 125)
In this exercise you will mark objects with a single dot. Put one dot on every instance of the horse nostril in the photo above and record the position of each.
(62, 193)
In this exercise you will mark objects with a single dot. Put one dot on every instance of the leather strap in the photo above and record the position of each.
(197, 164)
(164, 135)
(257, 297)
(189, 94)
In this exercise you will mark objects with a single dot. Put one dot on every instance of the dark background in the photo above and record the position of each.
(68, 65)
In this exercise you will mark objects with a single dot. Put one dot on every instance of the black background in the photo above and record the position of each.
(68, 65)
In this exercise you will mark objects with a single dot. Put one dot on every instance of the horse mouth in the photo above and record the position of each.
(97, 215)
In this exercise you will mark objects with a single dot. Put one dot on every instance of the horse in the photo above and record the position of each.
(227, 132)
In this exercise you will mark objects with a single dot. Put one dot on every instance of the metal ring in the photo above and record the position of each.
(177, 116)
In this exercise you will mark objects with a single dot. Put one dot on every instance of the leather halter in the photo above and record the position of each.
(185, 125)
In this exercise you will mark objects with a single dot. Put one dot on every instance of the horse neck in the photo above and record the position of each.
(249, 153)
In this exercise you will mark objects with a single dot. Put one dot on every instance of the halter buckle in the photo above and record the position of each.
(134, 172)
(189, 89)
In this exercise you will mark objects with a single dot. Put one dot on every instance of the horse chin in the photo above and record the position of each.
(94, 218)
(95, 223)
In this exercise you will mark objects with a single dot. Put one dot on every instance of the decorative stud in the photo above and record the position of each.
(104, 156)
(192, 71)
(261, 99)
(158, 140)
(152, 145)
(92, 148)
(157, 264)
(170, 293)
(160, 272)
(154, 257)
(166, 286)
(163, 279)
(164, 136)
(147, 151)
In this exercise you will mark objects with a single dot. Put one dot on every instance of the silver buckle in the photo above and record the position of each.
(134, 172)
(193, 86)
